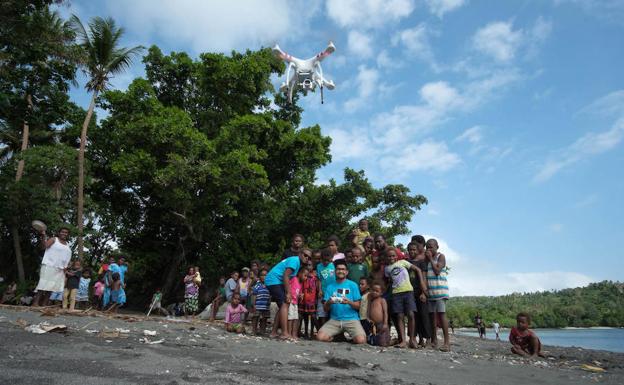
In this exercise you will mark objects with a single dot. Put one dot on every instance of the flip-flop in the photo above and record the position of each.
(445, 348)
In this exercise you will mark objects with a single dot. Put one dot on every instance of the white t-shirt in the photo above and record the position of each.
(496, 327)
(58, 255)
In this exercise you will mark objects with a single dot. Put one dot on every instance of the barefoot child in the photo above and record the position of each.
(260, 304)
(71, 286)
(218, 300)
(437, 292)
(307, 309)
(524, 341)
(82, 297)
(296, 284)
(115, 295)
(234, 315)
(378, 333)
(98, 292)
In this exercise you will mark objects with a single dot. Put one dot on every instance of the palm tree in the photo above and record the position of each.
(102, 60)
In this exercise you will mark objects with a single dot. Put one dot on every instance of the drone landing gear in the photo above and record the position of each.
(321, 94)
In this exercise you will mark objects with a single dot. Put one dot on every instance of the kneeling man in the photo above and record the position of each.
(342, 303)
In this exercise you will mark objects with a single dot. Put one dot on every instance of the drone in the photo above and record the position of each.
(304, 74)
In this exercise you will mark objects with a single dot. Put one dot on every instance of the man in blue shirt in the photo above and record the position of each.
(342, 302)
(278, 283)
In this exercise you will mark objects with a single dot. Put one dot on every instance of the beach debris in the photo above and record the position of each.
(21, 322)
(150, 342)
(122, 331)
(117, 333)
(92, 331)
(593, 369)
(150, 333)
(45, 327)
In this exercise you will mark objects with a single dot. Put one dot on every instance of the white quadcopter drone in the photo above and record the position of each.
(307, 73)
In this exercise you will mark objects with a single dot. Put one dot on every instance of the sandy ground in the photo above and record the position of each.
(89, 352)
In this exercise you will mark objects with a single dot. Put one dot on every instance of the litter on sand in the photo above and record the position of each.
(150, 333)
(591, 368)
(45, 327)
(149, 342)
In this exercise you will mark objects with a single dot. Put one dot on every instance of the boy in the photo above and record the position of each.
(363, 283)
(357, 269)
(230, 285)
(157, 303)
(82, 297)
(397, 273)
(71, 286)
(378, 333)
(326, 273)
(260, 304)
(524, 341)
(437, 292)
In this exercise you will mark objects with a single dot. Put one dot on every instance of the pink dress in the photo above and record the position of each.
(234, 315)
(295, 290)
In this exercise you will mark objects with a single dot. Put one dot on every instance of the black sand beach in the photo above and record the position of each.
(92, 351)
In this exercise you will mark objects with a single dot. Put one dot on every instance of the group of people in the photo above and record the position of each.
(66, 281)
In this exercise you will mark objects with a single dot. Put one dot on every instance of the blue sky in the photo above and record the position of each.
(508, 116)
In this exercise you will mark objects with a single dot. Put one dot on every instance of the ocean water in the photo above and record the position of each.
(590, 338)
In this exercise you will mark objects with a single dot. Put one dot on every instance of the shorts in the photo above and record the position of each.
(320, 310)
(334, 327)
(236, 325)
(278, 294)
(293, 312)
(437, 306)
(261, 314)
(403, 303)
(376, 334)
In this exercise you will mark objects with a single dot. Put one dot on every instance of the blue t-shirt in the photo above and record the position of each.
(263, 297)
(276, 275)
(343, 311)
(326, 274)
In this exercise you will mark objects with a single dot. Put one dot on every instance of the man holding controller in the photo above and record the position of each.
(342, 302)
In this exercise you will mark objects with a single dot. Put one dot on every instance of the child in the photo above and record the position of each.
(357, 269)
(307, 307)
(83, 288)
(116, 293)
(218, 300)
(71, 286)
(326, 273)
(360, 233)
(403, 304)
(243, 284)
(234, 315)
(9, 293)
(156, 304)
(363, 283)
(230, 285)
(524, 341)
(437, 292)
(260, 304)
(296, 284)
(316, 257)
(98, 292)
(378, 333)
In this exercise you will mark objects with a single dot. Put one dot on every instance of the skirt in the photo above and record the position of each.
(191, 303)
(51, 279)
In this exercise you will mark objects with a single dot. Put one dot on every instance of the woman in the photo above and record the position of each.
(191, 292)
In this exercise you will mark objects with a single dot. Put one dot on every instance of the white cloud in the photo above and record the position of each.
(608, 105)
(367, 81)
(556, 227)
(416, 43)
(440, 7)
(466, 276)
(385, 61)
(352, 144)
(587, 201)
(214, 25)
(498, 40)
(586, 146)
(360, 44)
(425, 156)
(365, 14)
(501, 42)
(472, 135)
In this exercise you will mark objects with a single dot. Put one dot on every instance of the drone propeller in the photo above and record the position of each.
(328, 51)
(277, 51)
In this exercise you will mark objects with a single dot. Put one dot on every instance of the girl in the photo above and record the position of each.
(98, 292)
(191, 293)
(234, 315)
(297, 295)
(83, 288)
(307, 307)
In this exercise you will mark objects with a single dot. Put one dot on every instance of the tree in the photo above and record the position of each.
(102, 59)
(36, 68)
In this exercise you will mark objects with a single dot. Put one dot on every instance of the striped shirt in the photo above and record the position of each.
(437, 285)
(263, 297)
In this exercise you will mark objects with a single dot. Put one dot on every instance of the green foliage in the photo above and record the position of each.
(599, 304)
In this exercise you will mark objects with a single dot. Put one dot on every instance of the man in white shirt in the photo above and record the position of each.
(496, 326)
(55, 260)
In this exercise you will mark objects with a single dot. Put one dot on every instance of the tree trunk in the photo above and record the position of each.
(81, 152)
(172, 274)
(18, 176)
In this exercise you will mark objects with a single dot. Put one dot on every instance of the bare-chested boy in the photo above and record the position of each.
(524, 341)
(379, 334)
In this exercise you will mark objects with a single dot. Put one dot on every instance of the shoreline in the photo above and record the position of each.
(97, 345)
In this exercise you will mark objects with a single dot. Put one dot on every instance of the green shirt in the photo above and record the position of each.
(357, 271)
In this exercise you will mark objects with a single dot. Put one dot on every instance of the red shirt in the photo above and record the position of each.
(523, 340)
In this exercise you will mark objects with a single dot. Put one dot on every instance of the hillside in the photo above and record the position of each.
(599, 304)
